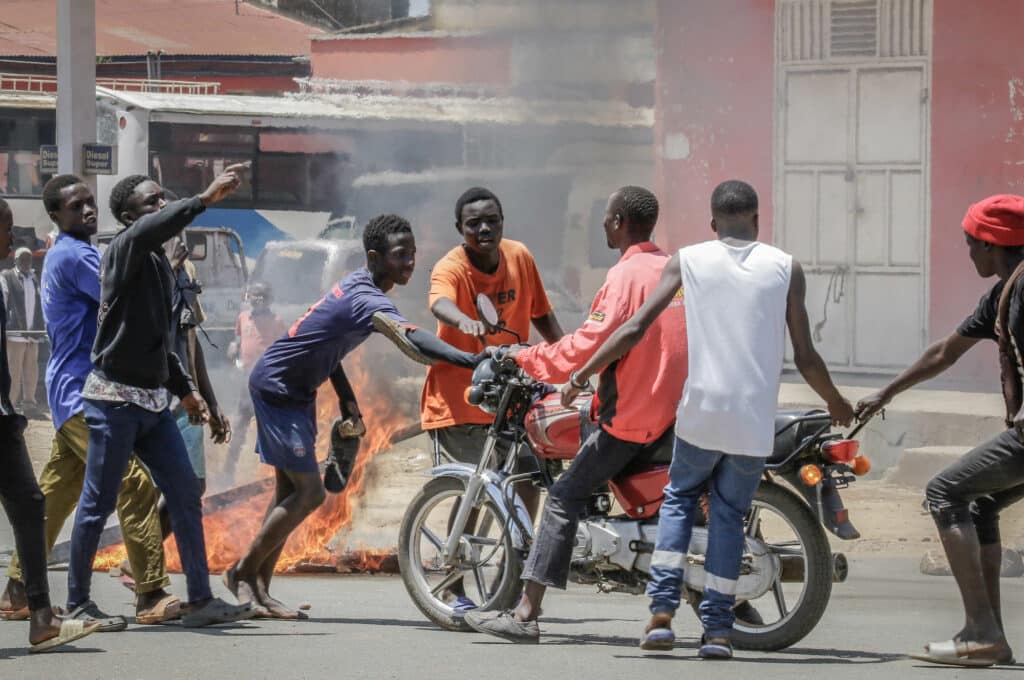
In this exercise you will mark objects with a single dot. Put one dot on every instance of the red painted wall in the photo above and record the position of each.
(977, 147)
(715, 75)
(441, 59)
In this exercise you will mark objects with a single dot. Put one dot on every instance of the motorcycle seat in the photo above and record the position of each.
(655, 454)
(787, 439)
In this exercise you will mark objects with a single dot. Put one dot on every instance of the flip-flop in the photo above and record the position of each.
(396, 333)
(70, 630)
(14, 614)
(658, 639)
(167, 608)
(957, 653)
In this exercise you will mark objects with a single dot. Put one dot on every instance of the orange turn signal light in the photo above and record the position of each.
(465, 395)
(861, 465)
(811, 475)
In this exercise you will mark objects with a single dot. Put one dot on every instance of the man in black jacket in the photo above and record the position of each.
(126, 396)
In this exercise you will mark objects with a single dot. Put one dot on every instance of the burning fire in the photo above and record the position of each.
(229, 531)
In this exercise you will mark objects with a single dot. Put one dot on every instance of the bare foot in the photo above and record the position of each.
(44, 624)
(14, 596)
(244, 590)
(276, 608)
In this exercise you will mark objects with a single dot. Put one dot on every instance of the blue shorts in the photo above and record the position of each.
(286, 436)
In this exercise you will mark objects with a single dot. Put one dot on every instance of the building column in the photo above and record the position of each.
(76, 84)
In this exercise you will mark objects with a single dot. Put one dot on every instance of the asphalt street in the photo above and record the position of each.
(366, 627)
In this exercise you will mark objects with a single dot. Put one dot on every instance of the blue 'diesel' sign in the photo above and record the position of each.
(48, 159)
(99, 159)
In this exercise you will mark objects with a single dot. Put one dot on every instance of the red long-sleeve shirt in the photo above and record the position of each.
(637, 395)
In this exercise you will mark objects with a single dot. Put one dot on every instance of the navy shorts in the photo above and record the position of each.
(286, 436)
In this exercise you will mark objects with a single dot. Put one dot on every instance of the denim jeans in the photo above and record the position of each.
(601, 457)
(116, 429)
(733, 480)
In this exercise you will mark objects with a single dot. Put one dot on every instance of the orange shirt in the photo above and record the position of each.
(518, 294)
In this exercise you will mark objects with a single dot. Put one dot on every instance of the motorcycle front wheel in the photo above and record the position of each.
(801, 590)
(487, 568)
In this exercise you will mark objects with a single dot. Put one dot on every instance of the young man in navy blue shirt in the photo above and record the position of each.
(284, 383)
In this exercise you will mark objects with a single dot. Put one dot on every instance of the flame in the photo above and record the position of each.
(229, 531)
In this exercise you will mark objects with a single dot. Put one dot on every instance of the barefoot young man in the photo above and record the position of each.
(634, 406)
(505, 271)
(23, 501)
(71, 300)
(283, 388)
(126, 395)
(740, 296)
(966, 498)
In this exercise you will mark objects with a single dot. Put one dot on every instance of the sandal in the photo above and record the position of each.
(958, 653)
(167, 608)
(658, 639)
(70, 630)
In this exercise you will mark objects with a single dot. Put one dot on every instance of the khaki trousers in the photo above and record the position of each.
(23, 359)
(61, 483)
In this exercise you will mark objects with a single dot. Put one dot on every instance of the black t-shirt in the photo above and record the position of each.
(982, 323)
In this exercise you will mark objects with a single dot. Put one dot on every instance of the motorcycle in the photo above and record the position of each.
(467, 529)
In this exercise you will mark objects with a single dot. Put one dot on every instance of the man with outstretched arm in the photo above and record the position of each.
(284, 383)
(740, 296)
(126, 395)
(71, 300)
(966, 498)
(634, 405)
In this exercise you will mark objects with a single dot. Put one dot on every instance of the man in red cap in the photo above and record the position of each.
(965, 499)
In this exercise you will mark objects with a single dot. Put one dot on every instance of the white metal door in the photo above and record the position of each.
(851, 200)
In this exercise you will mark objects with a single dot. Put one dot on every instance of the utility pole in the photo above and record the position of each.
(76, 84)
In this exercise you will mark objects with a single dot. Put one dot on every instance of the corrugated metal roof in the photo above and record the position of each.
(131, 27)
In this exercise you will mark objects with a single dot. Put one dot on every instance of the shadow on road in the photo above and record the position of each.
(17, 652)
(794, 655)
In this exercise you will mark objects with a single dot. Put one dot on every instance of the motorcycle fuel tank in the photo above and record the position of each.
(553, 430)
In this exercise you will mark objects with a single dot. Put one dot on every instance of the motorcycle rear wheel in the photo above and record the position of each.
(495, 582)
(794, 623)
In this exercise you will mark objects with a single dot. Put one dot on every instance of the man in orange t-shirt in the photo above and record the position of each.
(505, 271)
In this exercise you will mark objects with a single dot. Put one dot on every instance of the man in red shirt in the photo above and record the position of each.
(255, 330)
(632, 408)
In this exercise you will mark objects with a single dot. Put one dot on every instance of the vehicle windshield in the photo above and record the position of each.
(294, 274)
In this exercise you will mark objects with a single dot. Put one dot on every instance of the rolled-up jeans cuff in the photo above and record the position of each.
(663, 608)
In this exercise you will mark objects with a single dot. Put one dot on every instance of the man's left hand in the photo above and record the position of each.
(220, 427)
(195, 407)
(569, 394)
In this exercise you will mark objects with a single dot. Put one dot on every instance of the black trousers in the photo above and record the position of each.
(978, 486)
(23, 502)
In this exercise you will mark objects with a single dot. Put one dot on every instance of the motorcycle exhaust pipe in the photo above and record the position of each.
(793, 568)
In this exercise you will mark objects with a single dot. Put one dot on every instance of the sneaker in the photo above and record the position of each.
(717, 648)
(88, 612)
(461, 606)
(214, 611)
(658, 640)
(504, 625)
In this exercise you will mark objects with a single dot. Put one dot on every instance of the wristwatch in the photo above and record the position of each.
(575, 383)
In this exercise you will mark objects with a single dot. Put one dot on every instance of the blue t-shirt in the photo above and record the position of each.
(71, 299)
(294, 367)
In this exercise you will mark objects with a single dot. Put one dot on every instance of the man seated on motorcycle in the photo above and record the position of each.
(505, 271)
(284, 383)
(740, 296)
(634, 405)
(966, 498)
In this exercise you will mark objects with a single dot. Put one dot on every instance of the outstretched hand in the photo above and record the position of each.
(223, 185)
(841, 412)
(870, 405)
(473, 327)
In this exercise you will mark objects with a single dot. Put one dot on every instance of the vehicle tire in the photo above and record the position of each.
(802, 619)
(509, 586)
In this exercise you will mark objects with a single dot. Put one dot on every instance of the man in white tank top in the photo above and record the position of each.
(740, 296)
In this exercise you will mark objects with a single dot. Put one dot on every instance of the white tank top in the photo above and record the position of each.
(735, 299)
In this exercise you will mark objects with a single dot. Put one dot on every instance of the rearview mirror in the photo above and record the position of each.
(486, 311)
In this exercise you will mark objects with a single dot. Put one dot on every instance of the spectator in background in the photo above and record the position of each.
(24, 313)
(255, 330)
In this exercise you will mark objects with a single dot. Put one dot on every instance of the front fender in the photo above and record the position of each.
(463, 472)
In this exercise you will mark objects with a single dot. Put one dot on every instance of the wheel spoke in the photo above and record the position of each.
(481, 585)
(432, 537)
(754, 521)
(780, 598)
(451, 578)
